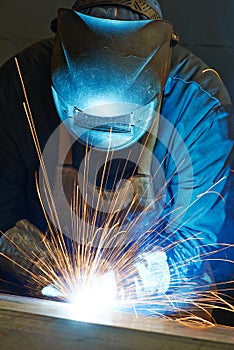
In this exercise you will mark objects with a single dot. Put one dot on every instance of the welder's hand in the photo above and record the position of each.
(20, 247)
(135, 193)
(152, 274)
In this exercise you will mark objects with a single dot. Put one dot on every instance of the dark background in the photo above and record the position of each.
(205, 27)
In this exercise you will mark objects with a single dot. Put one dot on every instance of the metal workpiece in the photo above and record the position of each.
(27, 323)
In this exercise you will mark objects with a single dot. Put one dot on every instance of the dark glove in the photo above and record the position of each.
(21, 252)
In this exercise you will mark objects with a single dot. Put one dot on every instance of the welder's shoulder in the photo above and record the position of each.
(35, 58)
(190, 69)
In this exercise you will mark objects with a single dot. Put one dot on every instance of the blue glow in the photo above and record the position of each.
(112, 27)
(110, 69)
(88, 125)
(110, 66)
(51, 292)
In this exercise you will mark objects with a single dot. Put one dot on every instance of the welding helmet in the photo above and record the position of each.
(108, 76)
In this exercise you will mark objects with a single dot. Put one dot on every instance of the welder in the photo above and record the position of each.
(115, 78)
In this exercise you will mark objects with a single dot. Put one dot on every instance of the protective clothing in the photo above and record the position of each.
(154, 274)
(109, 111)
(195, 103)
(22, 252)
(100, 200)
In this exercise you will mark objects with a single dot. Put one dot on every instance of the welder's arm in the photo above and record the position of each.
(13, 185)
(187, 234)
(22, 250)
(18, 158)
(190, 233)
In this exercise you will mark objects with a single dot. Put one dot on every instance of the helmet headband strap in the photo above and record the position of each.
(139, 6)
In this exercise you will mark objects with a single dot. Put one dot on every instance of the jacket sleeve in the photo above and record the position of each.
(13, 178)
(197, 163)
(197, 188)
(18, 157)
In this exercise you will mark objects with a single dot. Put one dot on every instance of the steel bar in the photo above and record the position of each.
(35, 324)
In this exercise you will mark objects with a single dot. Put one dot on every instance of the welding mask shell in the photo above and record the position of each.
(108, 76)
